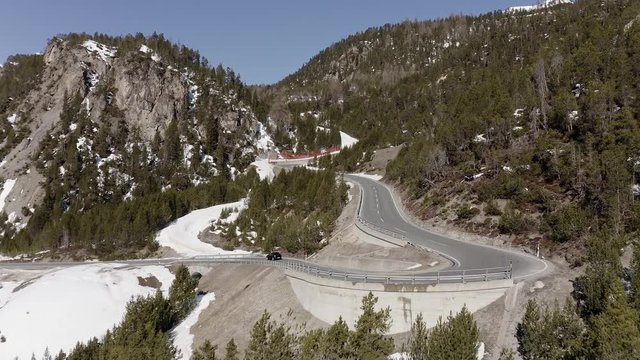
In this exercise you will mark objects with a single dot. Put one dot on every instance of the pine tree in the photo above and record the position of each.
(439, 344)
(368, 339)
(310, 345)
(615, 331)
(506, 354)
(635, 280)
(259, 338)
(419, 340)
(206, 351)
(172, 148)
(335, 342)
(231, 351)
(464, 335)
(527, 331)
(182, 292)
(281, 344)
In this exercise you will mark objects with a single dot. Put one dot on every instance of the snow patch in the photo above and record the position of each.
(182, 234)
(66, 306)
(182, 337)
(480, 351)
(6, 189)
(399, 356)
(346, 140)
(480, 139)
(264, 142)
(104, 52)
(264, 169)
(12, 119)
(541, 5)
(145, 49)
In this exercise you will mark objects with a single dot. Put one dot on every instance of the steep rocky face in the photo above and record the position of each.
(97, 108)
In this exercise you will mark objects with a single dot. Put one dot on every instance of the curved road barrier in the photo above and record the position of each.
(380, 213)
(379, 216)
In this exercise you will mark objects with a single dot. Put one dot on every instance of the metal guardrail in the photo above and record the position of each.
(301, 266)
(381, 230)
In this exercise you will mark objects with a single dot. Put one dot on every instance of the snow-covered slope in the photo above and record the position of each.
(63, 307)
(182, 336)
(182, 234)
(6, 189)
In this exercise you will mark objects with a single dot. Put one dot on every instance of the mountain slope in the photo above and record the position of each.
(521, 123)
(96, 120)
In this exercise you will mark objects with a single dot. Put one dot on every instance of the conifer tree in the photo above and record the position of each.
(506, 354)
(419, 339)
(464, 335)
(182, 292)
(527, 331)
(231, 351)
(206, 351)
(259, 338)
(615, 332)
(635, 280)
(368, 339)
(310, 345)
(335, 342)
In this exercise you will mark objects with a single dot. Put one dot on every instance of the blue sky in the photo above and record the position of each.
(262, 40)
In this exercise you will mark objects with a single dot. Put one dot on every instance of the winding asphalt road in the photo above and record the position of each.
(380, 208)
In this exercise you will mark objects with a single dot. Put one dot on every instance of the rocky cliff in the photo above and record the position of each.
(102, 119)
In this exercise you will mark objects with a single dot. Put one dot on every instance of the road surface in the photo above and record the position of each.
(380, 209)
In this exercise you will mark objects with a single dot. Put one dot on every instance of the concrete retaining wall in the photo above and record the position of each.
(328, 299)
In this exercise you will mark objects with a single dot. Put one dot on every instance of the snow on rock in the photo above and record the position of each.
(264, 142)
(518, 113)
(182, 337)
(193, 94)
(264, 169)
(541, 5)
(350, 185)
(182, 234)
(480, 138)
(145, 49)
(346, 141)
(66, 306)
(12, 119)
(104, 52)
(6, 189)
(573, 115)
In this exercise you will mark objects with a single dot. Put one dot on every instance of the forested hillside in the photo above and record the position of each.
(520, 123)
(108, 139)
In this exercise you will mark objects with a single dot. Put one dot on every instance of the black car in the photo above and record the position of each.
(274, 255)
